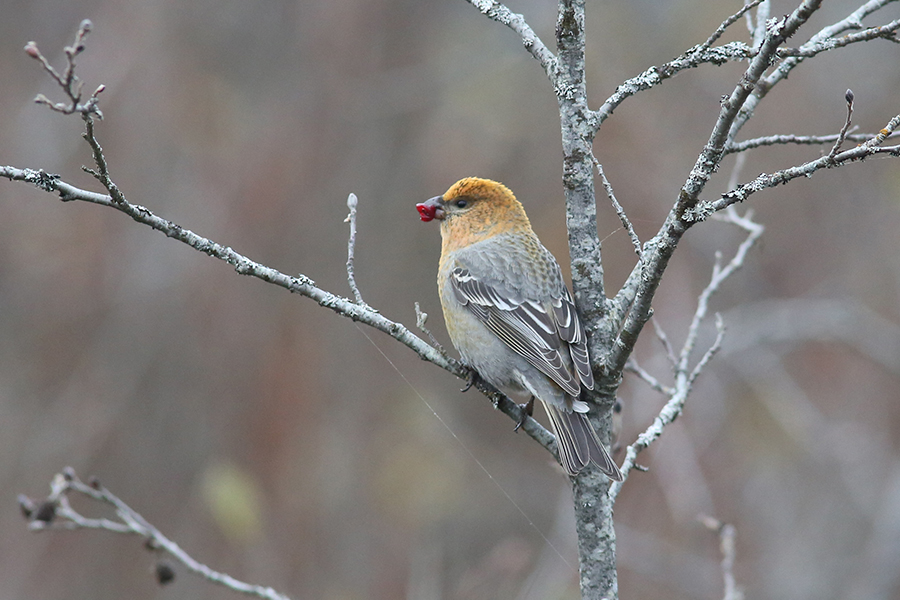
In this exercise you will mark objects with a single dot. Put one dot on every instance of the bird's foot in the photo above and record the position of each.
(470, 381)
(527, 411)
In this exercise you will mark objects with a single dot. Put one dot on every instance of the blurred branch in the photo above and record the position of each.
(632, 366)
(55, 512)
(785, 323)
(726, 533)
(684, 376)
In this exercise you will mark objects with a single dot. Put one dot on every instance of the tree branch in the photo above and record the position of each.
(55, 512)
(694, 57)
(808, 140)
(351, 250)
(659, 249)
(298, 284)
(726, 533)
(497, 11)
(870, 147)
(626, 222)
(684, 378)
(819, 40)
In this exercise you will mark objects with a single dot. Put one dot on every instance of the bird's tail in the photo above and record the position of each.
(578, 443)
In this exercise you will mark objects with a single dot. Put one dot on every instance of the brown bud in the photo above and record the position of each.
(164, 572)
(46, 511)
(31, 50)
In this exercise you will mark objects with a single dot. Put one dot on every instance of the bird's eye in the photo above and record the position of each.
(461, 203)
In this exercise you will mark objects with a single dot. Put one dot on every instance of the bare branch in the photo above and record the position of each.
(421, 319)
(684, 379)
(726, 533)
(664, 340)
(728, 23)
(626, 223)
(843, 134)
(67, 80)
(102, 172)
(694, 57)
(351, 247)
(887, 31)
(632, 366)
(711, 351)
(870, 147)
(497, 11)
(684, 213)
(719, 275)
(852, 21)
(61, 515)
(809, 140)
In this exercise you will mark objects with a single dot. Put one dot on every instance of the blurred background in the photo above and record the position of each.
(273, 440)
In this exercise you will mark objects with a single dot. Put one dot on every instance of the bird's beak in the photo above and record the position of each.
(431, 209)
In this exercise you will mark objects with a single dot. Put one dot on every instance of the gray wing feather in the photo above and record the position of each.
(526, 327)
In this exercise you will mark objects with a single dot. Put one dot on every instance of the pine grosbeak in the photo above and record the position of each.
(510, 315)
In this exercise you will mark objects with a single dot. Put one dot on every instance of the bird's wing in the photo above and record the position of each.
(572, 331)
(533, 329)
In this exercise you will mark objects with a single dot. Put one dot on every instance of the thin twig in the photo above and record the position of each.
(728, 23)
(719, 275)
(726, 533)
(888, 31)
(61, 515)
(67, 80)
(868, 148)
(664, 340)
(102, 173)
(632, 366)
(711, 351)
(626, 222)
(684, 379)
(694, 57)
(843, 134)
(421, 318)
(351, 248)
(808, 140)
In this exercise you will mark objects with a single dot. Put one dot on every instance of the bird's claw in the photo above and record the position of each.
(470, 381)
(527, 411)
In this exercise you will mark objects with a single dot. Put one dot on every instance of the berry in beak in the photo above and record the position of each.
(431, 209)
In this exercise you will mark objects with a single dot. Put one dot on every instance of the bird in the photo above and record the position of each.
(510, 315)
